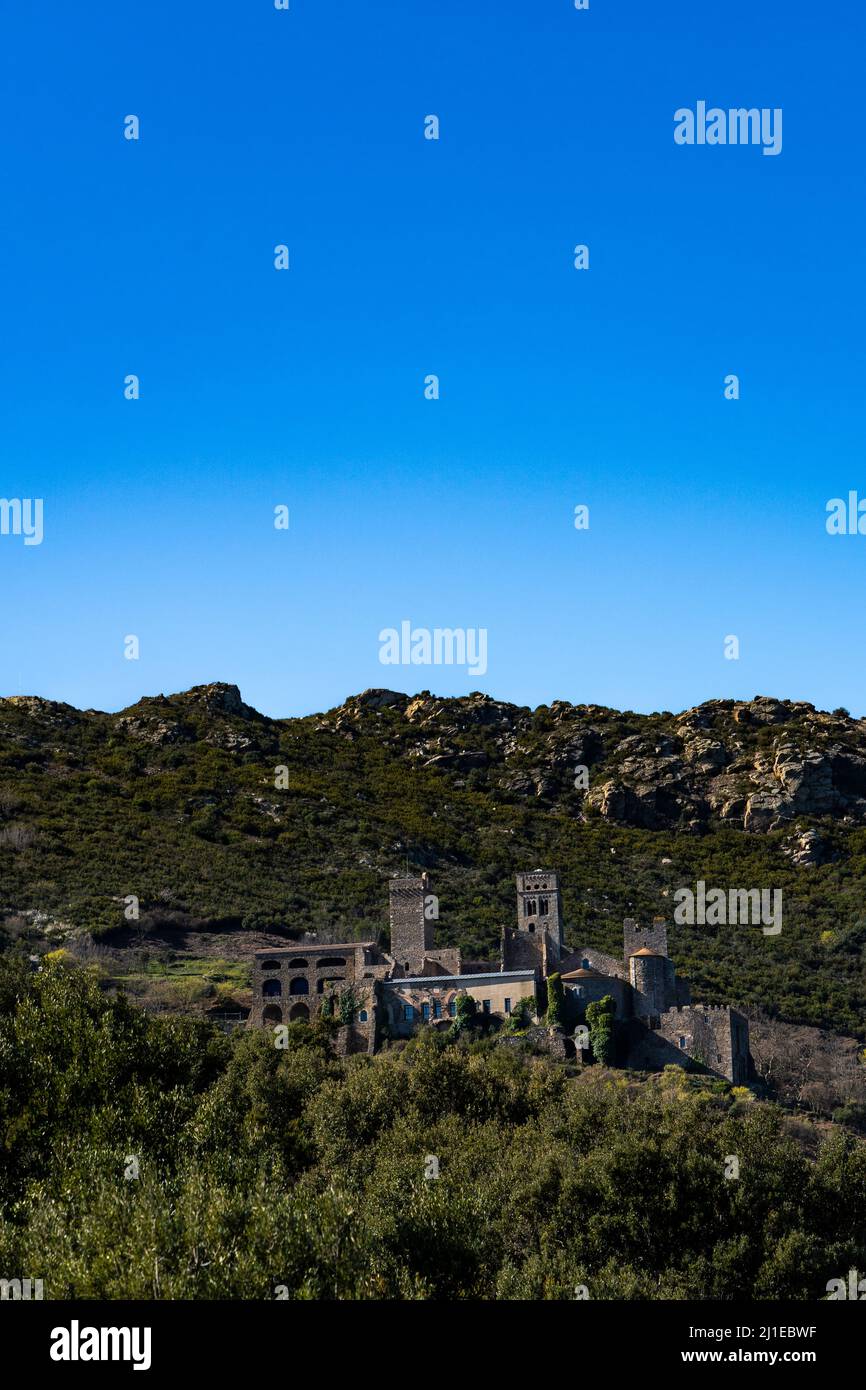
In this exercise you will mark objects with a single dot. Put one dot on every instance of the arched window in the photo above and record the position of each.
(272, 1013)
(299, 986)
(299, 1012)
(362, 1016)
(271, 988)
(295, 963)
(585, 963)
(542, 907)
(532, 926)
(270, 965)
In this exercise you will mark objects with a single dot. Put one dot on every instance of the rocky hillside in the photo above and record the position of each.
(214, 815)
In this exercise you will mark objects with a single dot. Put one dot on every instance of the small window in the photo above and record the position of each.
(362, 1016)
(682, 1041)
(437, 1009)
(425, 1012)
(585, 963)
(408, 1013)
(452, 1010)
(485, 1004)
(508, 1006)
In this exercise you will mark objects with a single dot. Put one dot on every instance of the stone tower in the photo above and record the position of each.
(411, 932)
(539, 909)
(652, 978)
(635, 938)
(536, 941)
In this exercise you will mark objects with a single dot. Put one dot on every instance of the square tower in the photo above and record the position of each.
(411, 931)
(539, 909)
(636, 938)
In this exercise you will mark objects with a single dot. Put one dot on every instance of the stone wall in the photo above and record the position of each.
(714, 1038)
(522, 950)
(591, 988)
(597, 960)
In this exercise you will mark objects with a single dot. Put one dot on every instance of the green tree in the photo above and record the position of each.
(521, 1015)
(464, 1018)
(599, 1017)
(555, 1001)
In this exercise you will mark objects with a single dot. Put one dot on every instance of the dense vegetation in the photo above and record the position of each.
(266, 1172)
(178, 801)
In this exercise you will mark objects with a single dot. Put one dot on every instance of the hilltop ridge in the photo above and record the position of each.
(209, 811)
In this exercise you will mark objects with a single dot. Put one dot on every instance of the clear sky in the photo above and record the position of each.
(408, 257)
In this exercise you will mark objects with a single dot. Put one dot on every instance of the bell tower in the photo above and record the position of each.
(539, 909)
(536, 940)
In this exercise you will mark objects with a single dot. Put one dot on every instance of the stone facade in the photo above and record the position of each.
(433, 999)
(294, 983)
(374, 993)
(709, 1037)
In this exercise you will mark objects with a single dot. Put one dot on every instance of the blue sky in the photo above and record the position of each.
(453, 257)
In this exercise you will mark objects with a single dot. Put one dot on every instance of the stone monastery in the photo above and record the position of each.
(378, 995)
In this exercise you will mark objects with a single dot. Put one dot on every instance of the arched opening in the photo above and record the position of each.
(270, 965)
(299, 986)
(327, 980)
(271, 989)
(299, 1013)
(272, 1013)
(531, 927)
(330, 961)
(295, 963)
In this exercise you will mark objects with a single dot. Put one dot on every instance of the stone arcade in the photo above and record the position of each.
(375, 993)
